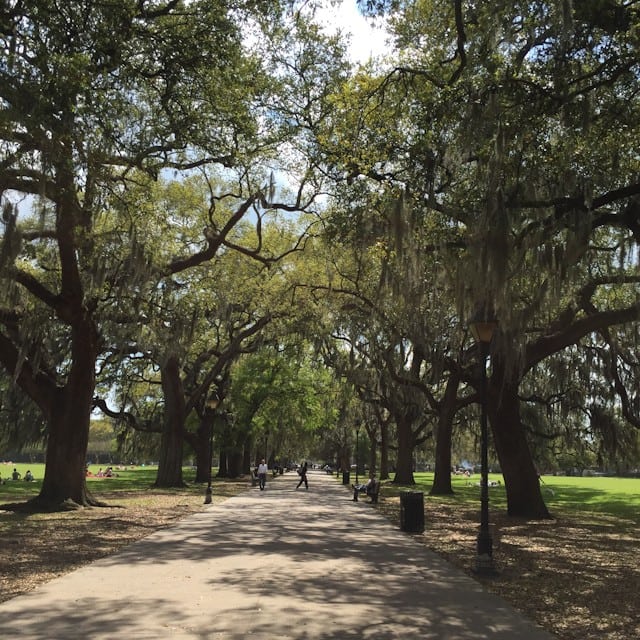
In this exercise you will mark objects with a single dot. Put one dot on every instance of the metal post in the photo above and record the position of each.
(484, 558)
(357, 455)
(210, 412)
(208, 496)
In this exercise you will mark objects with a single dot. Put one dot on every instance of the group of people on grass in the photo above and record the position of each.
(107, 473)
(16, 475)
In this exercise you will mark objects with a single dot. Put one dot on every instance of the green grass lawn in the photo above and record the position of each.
(564, 495)
(618, 497)
(127, 479)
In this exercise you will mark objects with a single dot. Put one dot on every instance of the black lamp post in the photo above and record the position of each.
(482, 326)
(357, 452)
(212, 405)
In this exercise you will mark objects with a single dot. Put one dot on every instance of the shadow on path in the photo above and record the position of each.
(279, 563)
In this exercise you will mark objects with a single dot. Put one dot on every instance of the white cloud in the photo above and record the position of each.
(367, 35)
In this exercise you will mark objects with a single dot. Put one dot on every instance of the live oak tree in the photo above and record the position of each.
(90, 93)
(553, 203)
(511, 126)
(398, 317)
(571, 410)
(188, 326)
(283, 399)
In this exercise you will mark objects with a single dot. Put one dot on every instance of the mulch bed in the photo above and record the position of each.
(578, 578)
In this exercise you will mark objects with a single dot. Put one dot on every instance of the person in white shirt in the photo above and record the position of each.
(263, 469)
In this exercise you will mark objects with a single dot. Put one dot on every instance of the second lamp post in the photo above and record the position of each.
(357, 452)
(212, 405)
(482, 326)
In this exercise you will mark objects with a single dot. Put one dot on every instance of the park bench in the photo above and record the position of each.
(372, 492)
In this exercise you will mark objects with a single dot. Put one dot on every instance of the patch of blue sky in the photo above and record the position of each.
(367, 37)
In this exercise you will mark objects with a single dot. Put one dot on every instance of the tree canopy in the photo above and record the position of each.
(206, 197)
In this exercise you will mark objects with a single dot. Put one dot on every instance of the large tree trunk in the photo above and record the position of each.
(404, 461)
(524, 498)
(223, 471)
(246, 457)
(200, 443)
(65, 460)
(373, 452)
(171, 443)
(384, 450)
(344, 458)
(235, 463)
(447, 411)
(68, 416)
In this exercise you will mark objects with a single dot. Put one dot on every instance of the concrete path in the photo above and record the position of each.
(270, 565)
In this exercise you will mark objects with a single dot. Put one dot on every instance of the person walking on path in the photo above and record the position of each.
(303, 476)
(263, 469)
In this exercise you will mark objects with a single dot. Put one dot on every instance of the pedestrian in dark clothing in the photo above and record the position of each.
(303, 476)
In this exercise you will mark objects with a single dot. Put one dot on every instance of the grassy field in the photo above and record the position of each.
(125, 479)
(618, 497)
(576, 575)
(564, 495)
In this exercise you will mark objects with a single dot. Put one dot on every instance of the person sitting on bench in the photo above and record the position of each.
(369, 488)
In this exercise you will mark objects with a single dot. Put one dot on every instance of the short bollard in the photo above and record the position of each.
(412, 511)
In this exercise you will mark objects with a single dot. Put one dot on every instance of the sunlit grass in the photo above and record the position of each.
(126, 479)
(564, 495)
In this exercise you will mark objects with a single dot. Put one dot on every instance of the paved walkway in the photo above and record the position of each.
(272, 565)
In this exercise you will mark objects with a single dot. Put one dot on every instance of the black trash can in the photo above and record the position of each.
(345, 477)
(412, 511)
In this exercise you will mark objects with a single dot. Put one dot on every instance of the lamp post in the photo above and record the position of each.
(212, 405)
(482, 326)
(357, 452)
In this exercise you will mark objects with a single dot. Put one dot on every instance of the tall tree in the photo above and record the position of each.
(189, 327)
(511, 129)
(89, 93)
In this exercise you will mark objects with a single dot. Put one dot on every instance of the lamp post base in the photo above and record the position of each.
(484, 543)
(484, 567)
(208, 495)
(484, 559)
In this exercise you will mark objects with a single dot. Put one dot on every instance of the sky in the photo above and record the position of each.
(366, 40)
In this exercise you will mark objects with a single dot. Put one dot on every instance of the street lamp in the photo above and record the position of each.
(212, 405)
(357, 453)
(482, 326)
